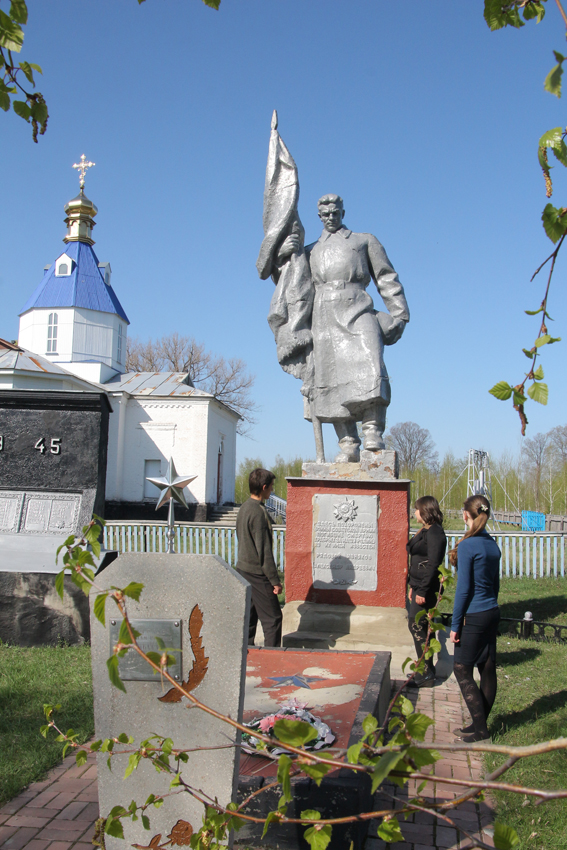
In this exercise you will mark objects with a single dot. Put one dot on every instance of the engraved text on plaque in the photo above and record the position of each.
(345, 542)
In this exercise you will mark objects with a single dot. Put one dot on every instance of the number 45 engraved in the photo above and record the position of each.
(55, 447)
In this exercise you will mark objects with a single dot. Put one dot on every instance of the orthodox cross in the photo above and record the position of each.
(83, 165)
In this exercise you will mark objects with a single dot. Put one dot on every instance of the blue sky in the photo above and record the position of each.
(421, 118)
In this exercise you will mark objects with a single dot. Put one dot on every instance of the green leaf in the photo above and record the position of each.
(422, 757)
(99, 607)
(273, 816)
(114, 827)
(404, 705)
(81, 757)
(538, 374)
(539, 393)
(505, 837)
(284, 764)
(542, 340)
(294, 732)
(560, 152)
(389, 830)
(502, 390)
(133, 590)
(552, 82)
(353, 752)
(318, 837)
(112, 665)
(11, 33)
(124, 635)
(519, 398)
(434, 644)
(145, 822)
(212, 4)
(4, 101)
(417, 725)
(317, 770)
(27, 69)
(534, 10)
(533, 312)
(369, 724)
(551, 138)
(553, 222)
(19, 11)
(529, 354)
(386, 764)
(310, 814)
(60, 578)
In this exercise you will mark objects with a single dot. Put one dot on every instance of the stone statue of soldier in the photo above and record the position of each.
(327, 330)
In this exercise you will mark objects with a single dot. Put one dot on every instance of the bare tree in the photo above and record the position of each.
(413, 444)
(558, 439)
(226, 380)
(536, 455)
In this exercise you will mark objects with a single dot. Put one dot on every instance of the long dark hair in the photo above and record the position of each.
(479, 509)
(429, 510)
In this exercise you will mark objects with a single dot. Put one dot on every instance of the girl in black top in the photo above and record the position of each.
(427, 551)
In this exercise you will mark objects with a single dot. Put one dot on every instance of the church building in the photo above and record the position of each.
(72, 337)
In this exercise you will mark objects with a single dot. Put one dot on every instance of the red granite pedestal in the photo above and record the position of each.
(393, 531)
(337, 614)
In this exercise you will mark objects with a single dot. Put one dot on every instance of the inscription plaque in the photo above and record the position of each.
(345, 541)
(132, 666)
(10, 510)
(37, 515)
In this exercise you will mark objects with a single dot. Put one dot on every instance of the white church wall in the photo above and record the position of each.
(33, 333)
(154, 430)
(96, 336)
(221, 431)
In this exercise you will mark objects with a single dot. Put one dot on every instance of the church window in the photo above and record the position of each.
(63, 268)
(52, 333)
(120, 345)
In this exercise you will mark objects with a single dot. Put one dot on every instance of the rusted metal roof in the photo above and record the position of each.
(21, 360)
(155, 384)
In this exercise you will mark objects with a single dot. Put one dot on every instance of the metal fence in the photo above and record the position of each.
(205, 539)
(523, 554)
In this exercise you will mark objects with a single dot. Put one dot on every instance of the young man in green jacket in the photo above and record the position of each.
(256, 559)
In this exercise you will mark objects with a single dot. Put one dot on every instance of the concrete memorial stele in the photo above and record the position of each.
(199, 606)
(347, 521)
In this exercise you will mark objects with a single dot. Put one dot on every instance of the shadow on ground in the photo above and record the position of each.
(544, 608)
(538, 709)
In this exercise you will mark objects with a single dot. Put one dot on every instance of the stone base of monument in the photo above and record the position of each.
(346, 539)
(340, 688)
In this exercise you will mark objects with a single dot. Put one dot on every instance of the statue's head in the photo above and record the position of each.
(331, 212)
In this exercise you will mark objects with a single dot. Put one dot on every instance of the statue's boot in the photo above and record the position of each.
(373, 427)
(349, 451)
(349, 442)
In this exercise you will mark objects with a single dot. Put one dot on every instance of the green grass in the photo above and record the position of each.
(531, 706)
(30, 677)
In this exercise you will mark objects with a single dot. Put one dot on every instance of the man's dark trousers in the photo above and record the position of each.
(265, 607)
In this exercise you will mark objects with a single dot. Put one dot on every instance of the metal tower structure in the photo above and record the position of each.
(479, 481)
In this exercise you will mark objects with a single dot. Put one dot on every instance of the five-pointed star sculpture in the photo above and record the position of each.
(298, 679)
(171, 485)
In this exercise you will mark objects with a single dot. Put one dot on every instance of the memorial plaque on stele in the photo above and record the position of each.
(345, 541)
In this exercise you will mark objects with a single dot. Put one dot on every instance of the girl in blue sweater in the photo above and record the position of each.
(476, 616)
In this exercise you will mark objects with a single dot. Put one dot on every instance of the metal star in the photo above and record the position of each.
(297, 679)
(171, 485)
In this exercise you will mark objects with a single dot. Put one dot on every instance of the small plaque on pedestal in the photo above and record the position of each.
(345, 542)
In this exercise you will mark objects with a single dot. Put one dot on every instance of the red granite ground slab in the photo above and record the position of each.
(330, 684)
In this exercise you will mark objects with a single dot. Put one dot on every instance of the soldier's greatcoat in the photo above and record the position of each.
(348, 333)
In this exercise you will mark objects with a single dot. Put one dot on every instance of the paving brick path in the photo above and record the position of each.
(59, 813)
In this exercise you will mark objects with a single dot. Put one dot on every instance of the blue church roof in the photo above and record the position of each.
(84, 287)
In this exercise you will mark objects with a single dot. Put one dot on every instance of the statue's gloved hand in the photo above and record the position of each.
(289, 246)
(391, 328)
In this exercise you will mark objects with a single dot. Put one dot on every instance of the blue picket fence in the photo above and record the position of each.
(523, 554)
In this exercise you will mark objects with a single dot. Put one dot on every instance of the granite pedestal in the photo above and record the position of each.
(346, 559)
